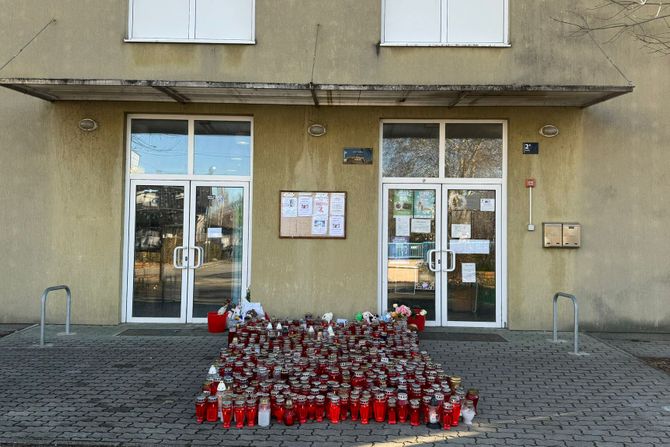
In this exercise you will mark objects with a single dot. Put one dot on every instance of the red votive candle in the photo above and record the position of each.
(447, 417)
(335, 409)
(354, 406)
(414, 410)
(226, 412)
(391, 409)
(380, 407)
(344, 407)
(289, 414)
(320, 407)
(473, 395)
(301, 408)
(252, 412)
(212, 408)
(365, 410)
(200, 408)
(239, 413)
(279, 410)
(455, 412)
(403, 407)
(311, 408)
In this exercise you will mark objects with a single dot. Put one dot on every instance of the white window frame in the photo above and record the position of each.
(443, 33)
(191, 30)
(446, 182)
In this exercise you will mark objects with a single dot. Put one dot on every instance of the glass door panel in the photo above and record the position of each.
(472, 230)
(217, 246)
(412, 261)
(158, 238)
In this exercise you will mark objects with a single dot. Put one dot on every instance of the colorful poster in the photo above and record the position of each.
(424, 204)
(402, 226)
(321, 204)
(319, 225)
(336, 228)
(305, 205)
(421, 225)
(289, 205)
(337, 204)
(468, 272)
(402, 202)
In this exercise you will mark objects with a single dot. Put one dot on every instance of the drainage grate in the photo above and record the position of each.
(190, 332)
(462, 336)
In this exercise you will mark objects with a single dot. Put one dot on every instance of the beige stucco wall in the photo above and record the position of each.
(61, 191)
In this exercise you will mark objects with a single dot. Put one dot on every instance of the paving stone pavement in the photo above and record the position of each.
(95, 388)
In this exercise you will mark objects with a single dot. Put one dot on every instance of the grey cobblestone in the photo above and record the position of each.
(139, 390)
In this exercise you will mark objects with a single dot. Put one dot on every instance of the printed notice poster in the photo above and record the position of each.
(402, 202)
(421, 225)
(470, 246)
(289, 205)
(305, 206)
(424, 204)
(319, 225)
(402, 226)
(214, 233)
(468, 272)
(321, 204)
(337, 204)
(336, 226)
(460, 231)
(487, 205)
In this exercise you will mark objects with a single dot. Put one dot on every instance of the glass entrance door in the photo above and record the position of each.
(442, 252)
(189, 250)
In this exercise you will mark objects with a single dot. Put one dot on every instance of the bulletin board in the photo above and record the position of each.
(312, 214)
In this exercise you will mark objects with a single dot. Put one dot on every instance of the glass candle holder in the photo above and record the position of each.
(240, 410)
(311, 407)
(473, 395)
(212, 408)
(200, 408)
(403, 407)
(289, 414)
(354, 406)
(414, 412)
(365, 410)
(226, 412)
(391, 409)
(301, 408)
(335, 409)
(279, 409)
(380, 407)
(252, 412)
(447, 417)
(456, 411)
(320, 407)
(344, 406)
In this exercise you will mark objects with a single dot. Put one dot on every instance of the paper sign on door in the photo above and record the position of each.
(469, 272)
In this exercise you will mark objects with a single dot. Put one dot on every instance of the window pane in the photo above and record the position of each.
(159, 147)
(222, 148)
(411, 150)
(474, 150)
(412, 21)
(160, 19)
(224, 20)
(476, 21)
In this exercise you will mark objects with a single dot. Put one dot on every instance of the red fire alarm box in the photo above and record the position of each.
(530, 183)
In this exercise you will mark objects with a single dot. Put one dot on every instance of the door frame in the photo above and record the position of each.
(128, 237)
(129, 255)
(191, 239)
(502, 182)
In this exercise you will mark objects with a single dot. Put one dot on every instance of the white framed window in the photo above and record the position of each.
(197, 21)
(445, 23)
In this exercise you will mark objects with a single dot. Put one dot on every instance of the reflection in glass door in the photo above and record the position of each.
(158, 258)
(472, 227)
(189, 252)
(217, 217)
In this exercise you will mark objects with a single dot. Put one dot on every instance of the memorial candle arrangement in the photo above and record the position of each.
(300, 372)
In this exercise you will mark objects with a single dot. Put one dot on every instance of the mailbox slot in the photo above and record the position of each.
(561, 235)
(572, 235)
(553, 235)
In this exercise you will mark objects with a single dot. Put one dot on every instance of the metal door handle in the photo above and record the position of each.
(452, 263)
(429, 257)
(176, 251)
(201, 254)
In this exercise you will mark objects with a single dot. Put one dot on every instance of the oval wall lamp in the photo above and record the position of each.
(316, 130)
(88, 125)
(549, 131)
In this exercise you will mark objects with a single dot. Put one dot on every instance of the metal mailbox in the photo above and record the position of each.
(562, 235)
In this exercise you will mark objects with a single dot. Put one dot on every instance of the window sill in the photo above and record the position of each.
(191, 41)
(440, 44)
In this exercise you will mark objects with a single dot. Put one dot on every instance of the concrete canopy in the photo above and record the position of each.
(315, 94)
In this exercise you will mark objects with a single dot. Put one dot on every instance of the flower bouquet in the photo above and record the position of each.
(401, 312)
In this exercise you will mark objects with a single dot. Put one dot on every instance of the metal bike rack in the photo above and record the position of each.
(68, 308)
(576, 324)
